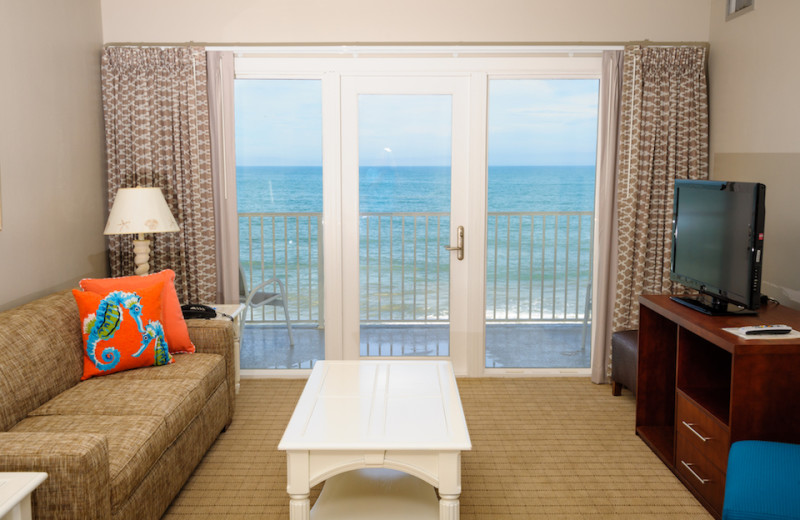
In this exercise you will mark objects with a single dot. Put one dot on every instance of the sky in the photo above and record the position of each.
(531, 122)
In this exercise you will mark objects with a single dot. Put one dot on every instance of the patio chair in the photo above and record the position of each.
(257, 297)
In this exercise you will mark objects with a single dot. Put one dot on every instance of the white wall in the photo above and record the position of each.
(409, 21)
(51, 147)
(51, 141)
(755, 78)
(755, 124)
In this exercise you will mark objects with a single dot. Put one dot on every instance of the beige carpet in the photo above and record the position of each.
(542, 448)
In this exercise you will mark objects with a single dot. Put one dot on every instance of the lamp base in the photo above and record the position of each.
(141, 250)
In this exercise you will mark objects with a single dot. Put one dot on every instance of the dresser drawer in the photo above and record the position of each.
(704, 432)
(699, 473)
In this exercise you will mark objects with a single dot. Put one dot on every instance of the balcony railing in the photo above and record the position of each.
(538, 265)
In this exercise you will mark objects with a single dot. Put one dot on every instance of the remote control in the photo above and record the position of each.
(758, 330)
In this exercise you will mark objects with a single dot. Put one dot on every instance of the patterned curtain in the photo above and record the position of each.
(663, 136)
(155, 106)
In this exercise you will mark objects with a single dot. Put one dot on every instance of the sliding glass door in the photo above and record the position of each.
(451, 199)
(279, 192)
(542, 149)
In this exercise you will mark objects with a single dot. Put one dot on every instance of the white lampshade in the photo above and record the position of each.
(140, 210)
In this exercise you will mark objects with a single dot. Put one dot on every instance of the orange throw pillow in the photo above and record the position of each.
(121, 330)
(171, 315)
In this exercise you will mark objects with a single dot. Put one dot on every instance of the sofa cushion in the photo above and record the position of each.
(40, 354)
(121, 330)
(135, 443)
(207, 369)
(172, 316)
(176, 402)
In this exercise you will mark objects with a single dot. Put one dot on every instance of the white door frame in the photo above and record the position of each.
(333, 69)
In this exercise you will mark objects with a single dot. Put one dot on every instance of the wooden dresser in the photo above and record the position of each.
(700, 388)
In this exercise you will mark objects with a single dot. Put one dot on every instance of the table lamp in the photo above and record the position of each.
(140, 211)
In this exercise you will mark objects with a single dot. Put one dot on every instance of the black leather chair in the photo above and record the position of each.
(624, 360)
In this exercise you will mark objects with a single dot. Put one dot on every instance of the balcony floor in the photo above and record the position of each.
(513, 345)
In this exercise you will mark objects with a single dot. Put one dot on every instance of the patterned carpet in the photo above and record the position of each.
(542, 448)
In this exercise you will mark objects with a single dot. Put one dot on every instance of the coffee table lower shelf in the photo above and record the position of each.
(380, 494)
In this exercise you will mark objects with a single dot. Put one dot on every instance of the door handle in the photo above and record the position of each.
(459, 247)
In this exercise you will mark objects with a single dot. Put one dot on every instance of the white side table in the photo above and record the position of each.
(235, 311)
(15, 494)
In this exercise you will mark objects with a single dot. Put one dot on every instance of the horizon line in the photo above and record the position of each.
(403, 166)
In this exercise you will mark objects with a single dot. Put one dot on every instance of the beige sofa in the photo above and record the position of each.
(114, 447)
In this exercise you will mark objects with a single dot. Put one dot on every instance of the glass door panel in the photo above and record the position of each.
(404, 142)
(542, 148)
(279, 197)
(404, 148)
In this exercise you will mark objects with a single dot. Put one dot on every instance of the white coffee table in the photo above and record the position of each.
(400, 415)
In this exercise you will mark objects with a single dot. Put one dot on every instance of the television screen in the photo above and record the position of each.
(717, 243)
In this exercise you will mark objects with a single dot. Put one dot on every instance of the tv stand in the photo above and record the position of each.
(716, 307)
(700, 389)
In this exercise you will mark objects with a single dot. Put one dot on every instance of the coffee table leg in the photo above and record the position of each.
(299, 507)
(449, 485)
(448, 507)
(297, 485)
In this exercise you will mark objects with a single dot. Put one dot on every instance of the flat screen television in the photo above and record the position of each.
(718, 243)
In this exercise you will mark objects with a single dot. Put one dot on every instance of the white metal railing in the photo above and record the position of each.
(405, 271)
(289, 246)
(538, 265)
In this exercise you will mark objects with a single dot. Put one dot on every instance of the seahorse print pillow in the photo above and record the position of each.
(175, 329)
(121, 330)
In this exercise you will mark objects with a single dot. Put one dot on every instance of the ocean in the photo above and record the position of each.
(538, 239)
(416, 188)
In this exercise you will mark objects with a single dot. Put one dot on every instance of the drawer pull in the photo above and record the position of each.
(691, 429)
(688, 466)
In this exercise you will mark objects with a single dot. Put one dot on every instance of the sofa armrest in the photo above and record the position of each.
(217, 336)
(78, 484)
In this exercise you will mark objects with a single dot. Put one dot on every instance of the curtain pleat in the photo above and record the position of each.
(155, 107)
(220, 95)
(605, 261)
(663, 137)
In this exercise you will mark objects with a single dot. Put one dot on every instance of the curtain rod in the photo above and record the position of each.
(417, 49)
(508, 46)
(380, 48)
(648, 43)
(400, 51)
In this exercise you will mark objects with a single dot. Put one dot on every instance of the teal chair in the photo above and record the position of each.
(762, 481)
